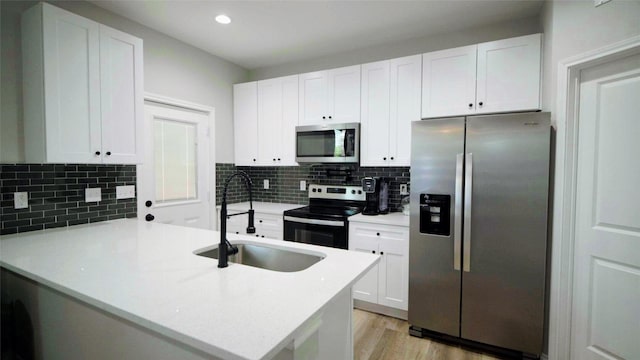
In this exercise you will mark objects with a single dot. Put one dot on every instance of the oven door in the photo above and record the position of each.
(332, 233)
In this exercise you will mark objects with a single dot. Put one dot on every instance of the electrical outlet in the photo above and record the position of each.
(265, 184)
(403, 189)
(303, 185)
(21, 200)
(92, 195)
(125, 192)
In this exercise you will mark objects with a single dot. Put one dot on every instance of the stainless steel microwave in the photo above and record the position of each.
(329, 143)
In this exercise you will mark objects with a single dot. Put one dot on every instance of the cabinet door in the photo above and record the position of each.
(374, 128)
(449, 82)
(269, 117)
(245, 123)
(121, 84)
(289, 121)
(405, 89)
(344, 95)
(269, 225)
(364, 240)
(313, 97)
(393, 283)
(72, 87)
(509, 74)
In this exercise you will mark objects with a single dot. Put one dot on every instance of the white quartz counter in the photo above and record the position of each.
(263, 207)
(394, 218)
(148, 274)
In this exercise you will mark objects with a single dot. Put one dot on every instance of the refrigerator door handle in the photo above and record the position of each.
(468, 188)
(457, 211)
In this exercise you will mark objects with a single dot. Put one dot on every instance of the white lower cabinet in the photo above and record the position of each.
(267, 225)
(387, 284)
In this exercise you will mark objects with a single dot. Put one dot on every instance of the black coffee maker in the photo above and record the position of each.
(377, 190)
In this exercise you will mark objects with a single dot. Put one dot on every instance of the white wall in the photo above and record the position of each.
(172, 68)
(503, 30)
(575, 27)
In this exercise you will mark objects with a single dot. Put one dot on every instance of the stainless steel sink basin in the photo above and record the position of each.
(267, 257)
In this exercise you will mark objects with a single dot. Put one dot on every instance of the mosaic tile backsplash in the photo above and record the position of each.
(56, 195)
(284, 181)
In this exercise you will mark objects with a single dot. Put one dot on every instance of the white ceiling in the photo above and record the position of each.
(268, 33)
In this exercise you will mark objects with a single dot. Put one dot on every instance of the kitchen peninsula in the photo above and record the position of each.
(135, 289)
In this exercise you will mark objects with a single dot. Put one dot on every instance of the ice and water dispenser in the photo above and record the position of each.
(435, 214)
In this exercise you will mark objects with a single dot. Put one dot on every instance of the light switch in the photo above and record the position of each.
(92, 194)
(125, 192)
(21, 200)
(266, 183)
(303, 185)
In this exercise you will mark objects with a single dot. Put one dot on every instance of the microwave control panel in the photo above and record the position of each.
(435, 214)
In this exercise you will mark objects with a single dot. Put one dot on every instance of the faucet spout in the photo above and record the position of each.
(225, 248)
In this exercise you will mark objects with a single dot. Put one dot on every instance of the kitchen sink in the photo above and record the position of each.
(265, 257)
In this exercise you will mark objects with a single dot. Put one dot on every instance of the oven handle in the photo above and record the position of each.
(314, 221)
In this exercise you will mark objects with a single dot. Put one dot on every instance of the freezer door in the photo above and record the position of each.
(434, 250)
(503, 281)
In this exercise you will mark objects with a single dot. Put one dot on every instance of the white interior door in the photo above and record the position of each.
(606, 299)
(173, 184)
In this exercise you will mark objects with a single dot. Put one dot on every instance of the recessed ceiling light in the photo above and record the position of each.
(223, 19)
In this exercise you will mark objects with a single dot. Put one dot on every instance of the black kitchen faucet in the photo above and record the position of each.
(225, 248)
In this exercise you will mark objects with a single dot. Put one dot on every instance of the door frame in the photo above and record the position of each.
(210, 112)
(565, 189)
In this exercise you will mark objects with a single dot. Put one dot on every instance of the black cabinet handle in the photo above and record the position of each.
(480, 103)
(237, 232)
(262, 236)
(329, 116)
(381, 253)
(278, 159)
(470, 106)
(373, 251)
(274, 159)
(324, 117)
(260, 221)
(392, 158)
(149, 217)
(108, 153)
(384, 158)
(254, 159)
(148, 203)
(97, 153)
(377, 234)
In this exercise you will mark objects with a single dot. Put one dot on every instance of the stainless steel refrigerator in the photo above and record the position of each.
(479, 200)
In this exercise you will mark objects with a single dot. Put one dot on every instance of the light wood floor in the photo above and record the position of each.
(382, 337)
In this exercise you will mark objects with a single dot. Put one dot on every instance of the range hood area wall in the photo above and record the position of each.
(284, 181)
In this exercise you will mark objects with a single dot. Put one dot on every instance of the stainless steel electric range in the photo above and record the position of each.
(325, 221)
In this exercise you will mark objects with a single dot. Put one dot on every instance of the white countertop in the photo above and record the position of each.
(394, 218)
(263, 207)
(147, 273)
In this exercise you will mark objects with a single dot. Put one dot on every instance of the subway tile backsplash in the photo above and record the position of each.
(284, 181)
(56, 195)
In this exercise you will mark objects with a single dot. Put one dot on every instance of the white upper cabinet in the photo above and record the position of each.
(121, 96)
(509, 74)
(245, 123)
(277, 121)
(449, 82)
(83, 94)
(265, 115)
(331, 96)
(390, 101)
(497, 76)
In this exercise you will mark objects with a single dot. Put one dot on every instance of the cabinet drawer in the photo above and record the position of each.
(268, 222)
(386, 232)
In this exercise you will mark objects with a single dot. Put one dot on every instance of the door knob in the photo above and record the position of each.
(149, 217)
(148, 203)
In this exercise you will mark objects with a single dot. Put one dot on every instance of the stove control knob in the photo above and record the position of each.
(353, 191)
(319, 190)
(314, 189)
(359, 191)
